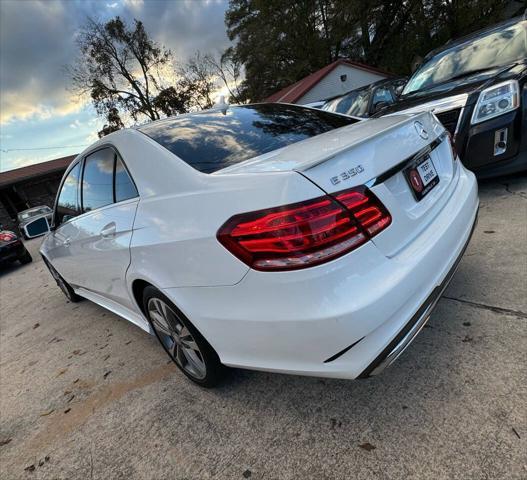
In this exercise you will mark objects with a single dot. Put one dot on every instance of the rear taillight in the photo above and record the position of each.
(307, 233)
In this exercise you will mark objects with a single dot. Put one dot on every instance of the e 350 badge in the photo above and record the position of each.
(342, 177)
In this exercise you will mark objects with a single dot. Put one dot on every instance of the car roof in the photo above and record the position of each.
(472, 36)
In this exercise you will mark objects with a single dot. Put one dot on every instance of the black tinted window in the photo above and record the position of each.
(67, 204)
(354, 103)
(124, 187)
(97, 180)
(212, 140)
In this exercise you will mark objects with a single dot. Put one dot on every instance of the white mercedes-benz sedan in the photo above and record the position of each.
(268, 236)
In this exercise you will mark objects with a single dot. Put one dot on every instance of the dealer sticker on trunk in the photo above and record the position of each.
(422, 177)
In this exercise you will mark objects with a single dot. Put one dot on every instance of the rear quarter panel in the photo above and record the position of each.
(180, 211)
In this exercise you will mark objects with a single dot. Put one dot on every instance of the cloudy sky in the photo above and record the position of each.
(37, 39)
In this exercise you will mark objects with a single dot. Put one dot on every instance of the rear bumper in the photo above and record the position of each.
(339, 318)
(403, 339)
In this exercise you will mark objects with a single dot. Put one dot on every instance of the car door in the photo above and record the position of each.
(101, 246)
(67, 208)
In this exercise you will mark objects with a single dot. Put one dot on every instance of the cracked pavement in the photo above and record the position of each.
(84, 394)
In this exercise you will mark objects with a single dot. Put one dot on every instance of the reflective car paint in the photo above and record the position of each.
(289, 321)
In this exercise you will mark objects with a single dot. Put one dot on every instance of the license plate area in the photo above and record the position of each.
(422, 177)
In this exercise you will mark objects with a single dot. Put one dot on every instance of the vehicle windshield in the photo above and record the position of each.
(498, 47)
(33, 212)
(354, 103)
(215, 139)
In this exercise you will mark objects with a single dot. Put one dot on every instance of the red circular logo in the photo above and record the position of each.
(417, 183)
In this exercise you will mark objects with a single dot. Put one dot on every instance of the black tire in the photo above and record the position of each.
(25, 258)
(178, 352)
(63, 285)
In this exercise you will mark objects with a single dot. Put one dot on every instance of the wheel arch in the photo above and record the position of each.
(138, 287)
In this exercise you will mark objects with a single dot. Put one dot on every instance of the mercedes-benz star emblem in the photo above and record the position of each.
(421, 130)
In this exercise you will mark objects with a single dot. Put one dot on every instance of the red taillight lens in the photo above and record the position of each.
(7, 237)
(304, 234)
(367, 209)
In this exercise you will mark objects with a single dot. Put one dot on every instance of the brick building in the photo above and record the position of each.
(28, 187)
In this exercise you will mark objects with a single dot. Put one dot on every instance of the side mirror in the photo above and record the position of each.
(36, 227)
(399, 90)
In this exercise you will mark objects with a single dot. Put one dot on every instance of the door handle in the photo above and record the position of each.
(108, 231)
(67, 242)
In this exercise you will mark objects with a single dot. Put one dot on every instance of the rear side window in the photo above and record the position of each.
(124, 186)
(67, 202)
(97, 180)
(212, 140)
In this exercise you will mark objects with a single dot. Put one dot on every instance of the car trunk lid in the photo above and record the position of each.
(374, 153)
(380, 162)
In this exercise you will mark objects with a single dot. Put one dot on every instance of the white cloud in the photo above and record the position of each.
(91, 138)
(134, 5)
(22, 105)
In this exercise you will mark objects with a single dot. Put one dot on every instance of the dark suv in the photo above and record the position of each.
(476, 86)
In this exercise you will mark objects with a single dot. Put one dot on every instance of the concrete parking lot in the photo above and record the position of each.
(86, 395)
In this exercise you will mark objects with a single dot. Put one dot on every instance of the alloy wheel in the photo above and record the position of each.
(176, 338)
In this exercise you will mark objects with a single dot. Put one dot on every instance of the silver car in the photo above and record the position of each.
(34, 221)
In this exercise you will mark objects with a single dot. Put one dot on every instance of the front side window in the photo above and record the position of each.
(67, 203)
(97, 180)
(354, 103)
(382, 94)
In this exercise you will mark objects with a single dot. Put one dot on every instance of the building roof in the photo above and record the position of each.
(31, 171)
(294, 92)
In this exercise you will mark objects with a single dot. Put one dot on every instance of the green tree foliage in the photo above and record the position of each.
(278, 42)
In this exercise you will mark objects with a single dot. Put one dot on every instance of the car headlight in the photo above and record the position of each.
(497, 100)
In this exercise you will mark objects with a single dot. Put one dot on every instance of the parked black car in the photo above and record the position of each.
(364, 101)
(477, 87)
(12, 248)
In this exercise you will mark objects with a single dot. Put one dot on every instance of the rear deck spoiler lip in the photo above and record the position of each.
(405, 118)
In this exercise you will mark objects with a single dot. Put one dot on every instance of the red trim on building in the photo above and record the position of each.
(297, 90)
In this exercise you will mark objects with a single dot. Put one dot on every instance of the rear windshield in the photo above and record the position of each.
(212, 140)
